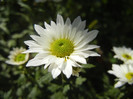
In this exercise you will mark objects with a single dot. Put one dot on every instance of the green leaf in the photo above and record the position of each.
(34, 92)
(58, 95)
(88, 66)
(2, 58)
(4, 28)
(66, 88)
(80, 80)
(93, 24)
(7, 95)
(44, 79)
(105, 80)
(24, 5)
(11, 43)
(54, 87)
(19, 91)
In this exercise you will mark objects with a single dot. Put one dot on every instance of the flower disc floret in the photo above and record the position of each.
(129, 76)
(20, 57)
(126, 56)
(62, 47)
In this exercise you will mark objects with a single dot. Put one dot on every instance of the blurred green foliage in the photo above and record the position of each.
(114, 20)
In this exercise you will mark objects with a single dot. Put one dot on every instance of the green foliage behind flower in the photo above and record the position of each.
(114, 20)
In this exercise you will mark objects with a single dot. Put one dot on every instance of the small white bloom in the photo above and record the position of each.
(124, 54)
(124, 73)
(61, 46)
(16, 56)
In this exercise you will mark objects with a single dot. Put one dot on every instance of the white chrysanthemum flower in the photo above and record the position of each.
(124, 73)
(16, 56)
(61, 46)
(124, 54)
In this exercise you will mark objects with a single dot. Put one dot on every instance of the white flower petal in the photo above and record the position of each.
(68, 22)
(39, 29)
(67, 68)
(91, 53)
(34, 50)
(56, 72)
(78, 58)
(31, 43)
(118, 71)
(10, 62)
(35, 37)
(72, 34)
(78, 38)
(46, 65)
(82, 26)
(111, 72)
(34, 62)
(87, 38)
(39, 59)
(119, 84)
(53, 24)
(60, 20)
(91, 35)
(53, 68)
(47, 26)
(86, 47)
(80, 53)
(76, 22)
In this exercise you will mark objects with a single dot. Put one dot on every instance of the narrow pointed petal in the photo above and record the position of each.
(76, 22)
(87, 47)
(78, 58)
(34, 62)
(92, 34)
(47, 26)
(56, 72)
(31, 43)
(39, 29)
(34, 50)
(119, 84)
(68, 69)
(60, 20)
(91, 53)
(68, 22)
(38, 60)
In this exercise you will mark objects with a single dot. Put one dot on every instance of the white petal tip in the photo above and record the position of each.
(119, 84)
(96, 31)
(27, 65)
(68, 77)
(35, 25)
(24, 52)
(110, 72)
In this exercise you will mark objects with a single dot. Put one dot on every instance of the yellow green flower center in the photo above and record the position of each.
(126, 56)
(62, 47)
(129, 76)
(19, 57)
